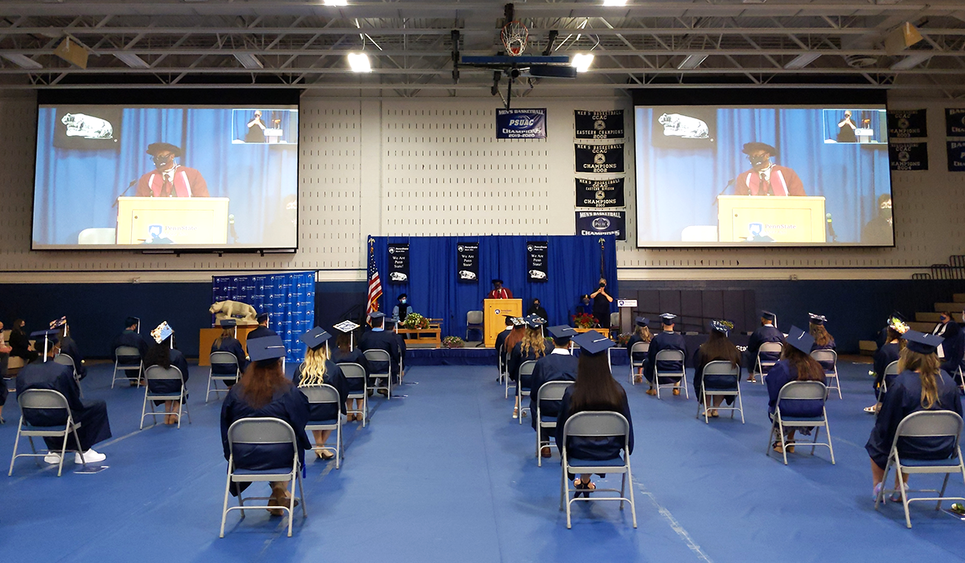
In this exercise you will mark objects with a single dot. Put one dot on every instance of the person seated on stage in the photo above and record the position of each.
(888, 353)
(226, 342)
(380, 339)
(952, 350)
(316, 370)
(20, 343)
(165, 355)
(262, 329)
(717, 347)
(920, 385)
(594, 390)
(559, 365)
(170, 179)
(343, 353)
(535, 308)
(601, 306)
(766, 178)
(532, 347)
(402, 309)
(4, 356)
(796, 364)
(767, 332)
(91, 416)
(69, 347)
(264, 391)
(585, 305)
(667, 339)
(499, 292)
(641, 333)
(130, 337)
(390, 326)
(822, 338)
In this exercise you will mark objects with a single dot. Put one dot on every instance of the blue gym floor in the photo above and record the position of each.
(445, 474)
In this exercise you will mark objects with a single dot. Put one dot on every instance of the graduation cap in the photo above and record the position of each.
(767, 315)
(921, 342)
(345, 326)
(155, 148)
(562, 332)
(509, 320)
(376, 315)
(131, 321)
(898, 325)
(402, 296)
(817, 319)
(535, 321)
(228, 323)
(57, 323)
(668, 318)
(266, 348)
(518, 322)
(48, 335)
(497, 280)
(315, 337)
(800, 340)
(262, 317)
(642, 321)
(592, 342)
(161, 332)
(721, 325)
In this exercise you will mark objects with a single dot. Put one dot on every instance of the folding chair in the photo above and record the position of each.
(127, 358)
(44, 400)
(801, 391)
(721, 368)
(382, 356)
(597, 424)
(504, 373)
(829, 356)
(158, 374)
(763, 365)
(356, 371)
(226, 361)
(638, 348)
(670, 356)
(474, 321)
(549, 391)
(66, 360)
(325, 394)
(262, 432)
(525, 369)
(925, 424)
(890, 372)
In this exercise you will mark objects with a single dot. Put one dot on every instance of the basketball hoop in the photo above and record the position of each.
(514, 35)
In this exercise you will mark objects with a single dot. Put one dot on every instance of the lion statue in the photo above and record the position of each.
(244, 313)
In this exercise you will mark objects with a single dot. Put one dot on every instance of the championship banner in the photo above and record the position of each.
(468, 260)
(521, 123)
(905, 124)
(399, 263)
(592, 223)
(599, 159)
(956, 156)
(955, 122)
(908, 156)
(599, 124)
(599, 193)
(536, 261)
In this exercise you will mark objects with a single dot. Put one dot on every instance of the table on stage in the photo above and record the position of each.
(431, 335)
(494, 319)
(207, 337)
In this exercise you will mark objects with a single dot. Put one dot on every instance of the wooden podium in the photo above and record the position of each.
(493, 317)
(182, 220)
(207, 336)
(784, 219)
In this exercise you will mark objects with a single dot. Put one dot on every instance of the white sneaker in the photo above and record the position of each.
(52, 458)
(90, 456)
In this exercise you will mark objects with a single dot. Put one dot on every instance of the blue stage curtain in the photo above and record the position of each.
(287, 122)
(288, 298)
(435, 291)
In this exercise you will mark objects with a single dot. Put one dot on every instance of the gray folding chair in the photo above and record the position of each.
(801, 391)
(549, 391)
(127, 359)
(721, 368)
(66, 360)
(226, 361)
(638, 348)
(670, 356)
(597, 424)
(503, 373)
(382, 356)
(890, 372)
(526, 368)
(826, 356)
(46, 400)
(925, 424)
(158, 374)
(262, 432)
(763, 365)
(353, 371)
(474, 321)
(325, 394)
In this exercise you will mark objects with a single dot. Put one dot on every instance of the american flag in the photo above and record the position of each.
(375, 284)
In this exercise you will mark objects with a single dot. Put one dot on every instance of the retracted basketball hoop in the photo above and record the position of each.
(514, 35)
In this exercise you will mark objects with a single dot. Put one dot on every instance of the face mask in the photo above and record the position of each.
(758, 161)
(404, 301)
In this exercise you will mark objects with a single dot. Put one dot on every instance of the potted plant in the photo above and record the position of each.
(453, 342)
(584, 320)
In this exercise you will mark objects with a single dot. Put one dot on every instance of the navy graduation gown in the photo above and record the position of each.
(778, 376)
(69, 346)
(953, 348)
(828, 365)
(132, 339)
(171, 386)
(637, 356)
(516, 359)
(382, 340)
(766, 333)
(335, 378)
(260, 332)
(352, 357)
(664, 341)
(714, 381)
(230, 345)
(884, 356)
(592, 448)
(553, 367)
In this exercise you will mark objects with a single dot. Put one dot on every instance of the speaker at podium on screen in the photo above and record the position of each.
(172, 220)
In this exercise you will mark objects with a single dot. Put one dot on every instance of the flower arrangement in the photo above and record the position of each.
(453, 342)
(415, 321)
(623, 338)
(584, 320)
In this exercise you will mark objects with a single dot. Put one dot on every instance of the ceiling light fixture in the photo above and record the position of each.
(132, 60)
(614, 2)
(336, 2)
(802, 60)
(691, 62)
(911, 61)
(23, 61)
(359, 62)
(582, 61)
(249, 61)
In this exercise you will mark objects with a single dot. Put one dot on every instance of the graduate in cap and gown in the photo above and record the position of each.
(381, 339)
(227, 342)
(822, 338)
(344, 353)
(532, 347)
(767, 332)
(666, 339)
(717, 348)
(165, 355)
(887, 353)
(316, 370)
(796, 364)
(558, 365)
(262, 329)
(641, 333)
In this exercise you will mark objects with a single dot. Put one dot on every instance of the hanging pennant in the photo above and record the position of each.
(536, 261)
(599, 193)
(599, 124)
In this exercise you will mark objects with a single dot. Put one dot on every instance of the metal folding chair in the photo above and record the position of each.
(66, 360)
(382, 356)
(829, 356)
(502, 372)
(262, 432)
(597, 424)
(356, 371)
(325, 394)
(549, 391)
(890, 372)
(158, 374)
(763, 365)
(474, 321)
(46, 400)
(525, 369)
(925, 424)
(721, 368)
(638, 348)
(127, 358)
(670, 356)
(226, 361)
(801, 391)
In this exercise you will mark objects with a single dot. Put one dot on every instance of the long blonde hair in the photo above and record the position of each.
(226, 332)
(821, 335)
(928, 368)
(644, 333)
(533, 340)
(313, 368)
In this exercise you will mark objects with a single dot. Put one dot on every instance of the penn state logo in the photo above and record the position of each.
(601, 195)
(599, 125)
(460, 248)
(391, 250)
(601, 223)
(529, 247)
(599, 158)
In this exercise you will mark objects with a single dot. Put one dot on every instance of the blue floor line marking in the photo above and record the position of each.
(674, 524)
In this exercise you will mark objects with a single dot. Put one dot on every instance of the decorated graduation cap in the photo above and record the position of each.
(345, 326)
(262, 317)
(898, 325)
(154, 148)
(228, 323)
(592, 342)
(534, 321)
(755, 146)
(769, 316)
(562, 332)
(721, 325)
(817, 319)
(62, 321)
(266, 348)
(668, 318)
(162, 332)
(921, 342)
(642, 321)
(800, 340)
(518, 322)
(315, 337)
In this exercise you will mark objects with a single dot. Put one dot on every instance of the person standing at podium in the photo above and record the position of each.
(499, 292)
(170, 179)
(765, 177)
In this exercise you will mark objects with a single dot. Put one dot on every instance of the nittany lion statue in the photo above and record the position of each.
(242, 312)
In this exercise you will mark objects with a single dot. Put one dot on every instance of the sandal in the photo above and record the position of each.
(652, 392)
(714, 413)
(515, 413)
(777, 448)
(873, 409)
(583, 488)
(676, 390)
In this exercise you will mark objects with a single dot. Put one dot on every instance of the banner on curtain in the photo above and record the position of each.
(956, 156)
(907, 124)
(599, 124)
(955, 122)
(537, 265)
(599, 193)
(908, 156)
(521, 123)
(602, 223)
(399, 263)
(599, 159)
(467, 260)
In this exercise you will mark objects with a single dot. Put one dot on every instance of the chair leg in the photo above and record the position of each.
(942, 492)
(780, 431)
(633, 505)
(827, 430)
(224, 507)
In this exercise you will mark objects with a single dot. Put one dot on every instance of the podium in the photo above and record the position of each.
(183, 220)
(783, 218)
(493, 317)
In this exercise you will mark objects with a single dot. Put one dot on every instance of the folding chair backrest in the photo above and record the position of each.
(825, 355)
(47, 399)
(223, 358)
(64, 360)
(552, 390)
(670, 356)
(158, 373)
(127, 353)
(721, 367)
(261, 431)
(474, 317)
(377, 356)
(891, 369)
(596, 423)
(638, 348)
(527, 367)
(352, 370)
(929, 423)
(802, 390)
(770, 348)
(321, 394)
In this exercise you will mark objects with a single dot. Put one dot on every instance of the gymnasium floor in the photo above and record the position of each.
(445, 474)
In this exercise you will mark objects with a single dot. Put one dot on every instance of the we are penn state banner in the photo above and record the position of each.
(599, 124)
(468, 261)
(521, 123)
(399, 263)
(599, 159)
(536, 261)
(599, 193)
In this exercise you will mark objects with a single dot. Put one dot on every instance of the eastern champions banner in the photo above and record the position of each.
(599, 159)
(599, 193)
(599, 124)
